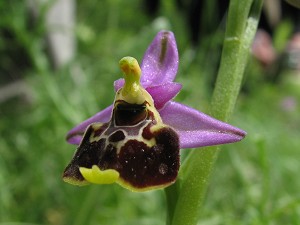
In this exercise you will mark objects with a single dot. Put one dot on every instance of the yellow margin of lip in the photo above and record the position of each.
(128, 186)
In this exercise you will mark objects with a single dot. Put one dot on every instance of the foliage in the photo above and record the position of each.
(254, 182)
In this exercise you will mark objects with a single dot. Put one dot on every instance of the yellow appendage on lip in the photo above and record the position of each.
(97, 176)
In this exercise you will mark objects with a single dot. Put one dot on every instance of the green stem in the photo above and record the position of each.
(239, 35)
(242, 22)
(87, 207)
(171, 198)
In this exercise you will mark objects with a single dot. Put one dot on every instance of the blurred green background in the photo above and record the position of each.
(255, 181)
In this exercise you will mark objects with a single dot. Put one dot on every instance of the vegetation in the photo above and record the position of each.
(253, 182)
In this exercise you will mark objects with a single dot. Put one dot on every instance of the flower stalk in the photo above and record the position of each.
(194, 175)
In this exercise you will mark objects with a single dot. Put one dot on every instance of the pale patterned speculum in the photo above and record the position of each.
(135, 145)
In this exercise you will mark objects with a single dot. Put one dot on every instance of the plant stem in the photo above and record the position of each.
(87, 207)
(238, 38)
(171, 197)
(241, 26)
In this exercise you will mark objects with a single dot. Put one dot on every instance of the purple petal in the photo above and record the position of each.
(160, 62)
(74, 136)
(163, 93)
(119, 83)
(197, 129)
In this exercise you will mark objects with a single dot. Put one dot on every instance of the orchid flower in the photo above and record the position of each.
(135, 142)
